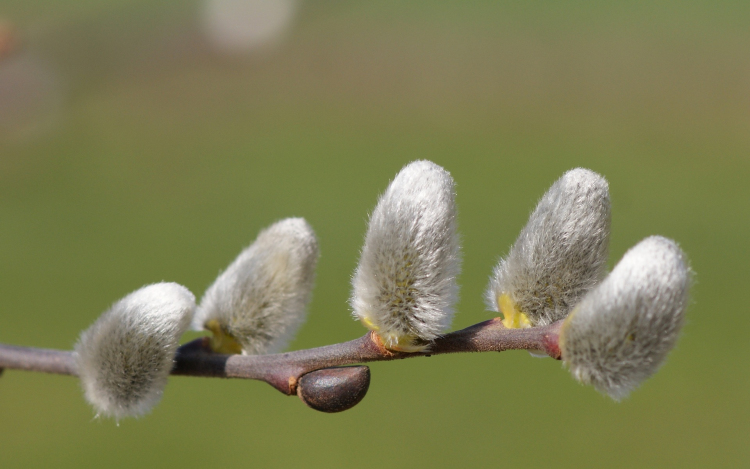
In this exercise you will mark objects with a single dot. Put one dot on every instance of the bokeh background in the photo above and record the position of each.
(143, 141)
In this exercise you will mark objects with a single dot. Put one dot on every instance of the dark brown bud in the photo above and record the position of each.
(334, 389)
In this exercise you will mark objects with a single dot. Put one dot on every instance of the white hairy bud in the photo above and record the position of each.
(623, 329)
(560, 254)
(257, 304)
(405, 287)
(125, 357)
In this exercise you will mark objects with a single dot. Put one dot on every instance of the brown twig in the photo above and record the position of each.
(284, 370)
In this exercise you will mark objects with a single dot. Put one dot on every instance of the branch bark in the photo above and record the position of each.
(284, 370)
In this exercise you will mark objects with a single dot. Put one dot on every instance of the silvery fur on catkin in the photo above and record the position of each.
(261, 298)
(623, 329)
(405, 283)
(125, 357)
(560, 254)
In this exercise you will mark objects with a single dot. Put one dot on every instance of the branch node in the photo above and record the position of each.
(293, 382)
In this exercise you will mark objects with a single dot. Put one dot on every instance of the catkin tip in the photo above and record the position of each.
(405, 286)
(125, 357)
(621, 332)
(259, 302)
(559, 255)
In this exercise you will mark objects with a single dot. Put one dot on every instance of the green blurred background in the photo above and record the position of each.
(139, 143)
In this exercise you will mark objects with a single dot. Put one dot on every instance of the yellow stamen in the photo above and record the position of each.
(222, 341)
(402, 343)
(513, 318)
(369, 324)
(393, 341)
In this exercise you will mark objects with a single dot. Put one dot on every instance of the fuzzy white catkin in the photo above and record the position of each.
(125, 357)
(260, 300)
(560, 254)
(623, 329)
(405, 285)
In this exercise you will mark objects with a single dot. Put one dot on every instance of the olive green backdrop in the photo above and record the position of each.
(163, 158)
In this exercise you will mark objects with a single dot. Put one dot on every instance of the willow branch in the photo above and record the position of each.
(283, 370)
